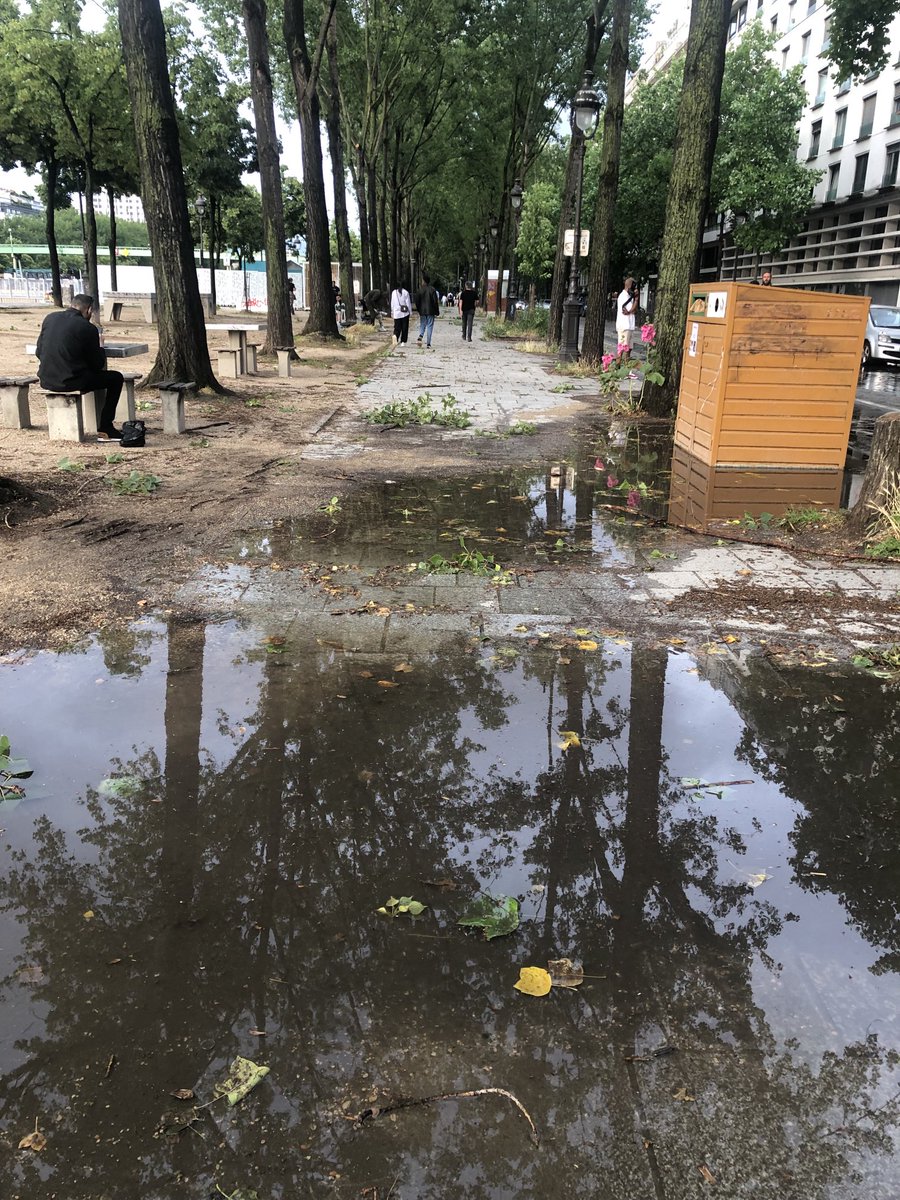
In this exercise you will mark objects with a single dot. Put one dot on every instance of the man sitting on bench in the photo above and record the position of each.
(71, 359)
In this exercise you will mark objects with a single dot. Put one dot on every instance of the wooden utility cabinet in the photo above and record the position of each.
(768, 375)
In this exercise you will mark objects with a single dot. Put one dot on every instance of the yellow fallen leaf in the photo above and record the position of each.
(745, 571)
(681, 1094)
(588, 645)
(533, 981)
(757, 879)
(387, 683)
(582, 633)
(403, 668)
(731, 638)
(89, 915)
(570, 738)
(521, 628)
(33, 1141)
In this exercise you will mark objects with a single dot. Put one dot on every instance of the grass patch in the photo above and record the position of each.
(883, 661)
(799, 519)
(885, 547)
(526, 324)
(421, 411)
(138, 483)
(522, 429)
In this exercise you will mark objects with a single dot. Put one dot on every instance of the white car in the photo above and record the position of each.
(882, 339)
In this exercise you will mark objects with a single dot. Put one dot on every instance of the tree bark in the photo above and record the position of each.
(882, 475)
(695, 143)
(51, 177)
(213, 252)
(89, 242)
(280, 328)
(305, 75)
(183, 353)
(607, 184)
(378, 270)
(358, 174)
(113, 265)
(339, 178)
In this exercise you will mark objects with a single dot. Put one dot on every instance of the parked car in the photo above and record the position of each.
(882, 340)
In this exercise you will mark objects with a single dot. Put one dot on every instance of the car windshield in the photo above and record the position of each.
(888, 318)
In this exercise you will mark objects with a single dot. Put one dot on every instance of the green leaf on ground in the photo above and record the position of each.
(125, 785)
(496, 915)
(243, 1076)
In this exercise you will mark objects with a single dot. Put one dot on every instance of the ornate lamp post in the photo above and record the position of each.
(585, 115)
(515, 198)
(481, 279)
(200, 209)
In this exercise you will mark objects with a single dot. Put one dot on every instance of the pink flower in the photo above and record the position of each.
(648, 333)
(607, 360)
(621, 348)
(634, 499)
(611, 481)
(598, 464)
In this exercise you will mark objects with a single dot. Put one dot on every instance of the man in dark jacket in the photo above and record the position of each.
(467, 303)
(428, 302)
(71, 359)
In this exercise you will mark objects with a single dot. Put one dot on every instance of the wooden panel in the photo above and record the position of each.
(799, 327)
(758, 374)
(747, 456)
(774, 393)
(776, 437)
(776, 424)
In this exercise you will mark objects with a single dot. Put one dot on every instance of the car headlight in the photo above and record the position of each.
(884, 340)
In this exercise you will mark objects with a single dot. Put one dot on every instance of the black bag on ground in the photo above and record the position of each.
(133, 433)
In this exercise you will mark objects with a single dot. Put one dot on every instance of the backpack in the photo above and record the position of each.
(133, 434)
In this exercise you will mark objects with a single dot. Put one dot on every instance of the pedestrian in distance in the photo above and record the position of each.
(766, 278)
(401, 304)
(626, 307)
(372, 303)
(292, 293)
(72, 359)
(429, 305)
(468, 300)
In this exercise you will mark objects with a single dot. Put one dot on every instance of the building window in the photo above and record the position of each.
(826, 35)
(895, 110)
(821, 88)
(867, 124)
(840, 129)
(811, 7)
(785, 50)
(891, 162)
(742, 16)
(815, 139)
(792, 14)
(859, 173)
(759, 4)
(804, 48)
(773, 24)
(843, 87)
(833, 174)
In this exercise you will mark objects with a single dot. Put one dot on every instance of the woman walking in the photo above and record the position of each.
(401, 304)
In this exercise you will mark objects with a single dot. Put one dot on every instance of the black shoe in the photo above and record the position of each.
(110, 434)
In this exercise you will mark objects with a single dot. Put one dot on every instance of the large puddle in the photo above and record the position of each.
(719, 853)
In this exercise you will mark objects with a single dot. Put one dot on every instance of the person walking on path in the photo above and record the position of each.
(428, 302)
(400, 309)
(468, 299)
(71, 359)
(626, 307)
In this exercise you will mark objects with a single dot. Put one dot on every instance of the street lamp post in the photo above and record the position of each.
(515, 199)
(481, 278)
(200, 207)
(585, 115)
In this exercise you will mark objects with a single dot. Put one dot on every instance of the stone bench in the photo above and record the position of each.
(113, 302)
(172, 396)
(15, 410)
(229, 363)
(64, 422)
(285, 354)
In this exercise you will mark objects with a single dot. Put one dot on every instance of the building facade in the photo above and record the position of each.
(850, 131)
(17, 204)
(128, 208)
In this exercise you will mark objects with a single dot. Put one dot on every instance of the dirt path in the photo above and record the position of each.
(79, 555)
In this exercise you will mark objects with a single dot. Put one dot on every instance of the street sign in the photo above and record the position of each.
(569, 243)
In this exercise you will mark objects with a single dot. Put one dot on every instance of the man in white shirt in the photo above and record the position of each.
(626, 307)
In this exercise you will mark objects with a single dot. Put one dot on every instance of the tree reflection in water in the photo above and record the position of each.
(235, 898)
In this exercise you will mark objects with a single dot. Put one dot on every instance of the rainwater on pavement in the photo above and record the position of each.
(217, 811)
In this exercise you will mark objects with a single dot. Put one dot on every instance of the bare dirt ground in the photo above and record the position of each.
(79, 555)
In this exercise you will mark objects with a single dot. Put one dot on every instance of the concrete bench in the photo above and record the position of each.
(229, 363)
(15, 410)
(113, 302)
(250, 359)
(172, 396)
(285, 353)
(64, 423)
(126, 409)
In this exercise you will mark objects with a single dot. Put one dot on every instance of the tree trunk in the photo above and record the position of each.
(358, 174)
(89, 242)
(213, 255)
(391, 280)
(305, 74)
(183, 353)
(378, 265)
(280, 329)
(339, 179)
(881, 484)
(695, 143)
(113, 265)
(607, 185)
(51, 177)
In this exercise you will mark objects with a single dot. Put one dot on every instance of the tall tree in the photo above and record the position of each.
(860, 35)
(686, 206)
(306, 62)
(183, 352)
(607, 185)
(339, 175)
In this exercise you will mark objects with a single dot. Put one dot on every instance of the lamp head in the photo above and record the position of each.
(515, 194)
(586, 107)
(200, 205)
(493, 225)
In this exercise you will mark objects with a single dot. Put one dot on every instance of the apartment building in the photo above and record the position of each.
(850, 131)
(128, 208)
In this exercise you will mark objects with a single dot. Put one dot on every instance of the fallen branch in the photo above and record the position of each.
(369, 1114)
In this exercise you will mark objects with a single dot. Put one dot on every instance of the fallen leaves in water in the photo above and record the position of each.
(496, 916)
(570, 739)
(565, 973)
(387, 683)
(534, 981)
(243, 1076)
(394, 906)
(183, 1093)
(403, 668)
(588, 645)
(758, 878)
(33, 1141)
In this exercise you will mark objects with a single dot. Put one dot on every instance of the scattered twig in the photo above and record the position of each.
(369, 1114)
(728, 783)
(110, 1065)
